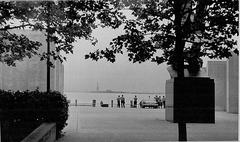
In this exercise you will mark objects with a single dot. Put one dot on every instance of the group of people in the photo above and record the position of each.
(161, 101)
(121, 101)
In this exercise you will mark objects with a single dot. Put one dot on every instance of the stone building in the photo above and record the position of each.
(30, 74)
(226, 77)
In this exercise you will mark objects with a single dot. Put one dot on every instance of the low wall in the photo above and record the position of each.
(46, 132)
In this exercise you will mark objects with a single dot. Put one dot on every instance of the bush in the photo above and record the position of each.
(22, 112)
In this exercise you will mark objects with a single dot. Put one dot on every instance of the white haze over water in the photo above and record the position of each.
(83, 75)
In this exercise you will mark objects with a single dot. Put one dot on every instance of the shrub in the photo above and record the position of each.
(22, 112)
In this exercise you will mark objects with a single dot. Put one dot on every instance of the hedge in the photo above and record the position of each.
(22, 112)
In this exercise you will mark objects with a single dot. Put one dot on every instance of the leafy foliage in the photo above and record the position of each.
(176, 31)
(14, 47)
(24, 111)
(64, 21)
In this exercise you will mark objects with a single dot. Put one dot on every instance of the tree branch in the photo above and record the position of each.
(191, 41)
(14, 27)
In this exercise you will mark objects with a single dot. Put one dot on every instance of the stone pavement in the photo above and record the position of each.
(88, 124)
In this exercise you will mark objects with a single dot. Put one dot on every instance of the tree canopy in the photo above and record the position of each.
(14, 47)
(176, 31)
(172, 31)
(64, 21)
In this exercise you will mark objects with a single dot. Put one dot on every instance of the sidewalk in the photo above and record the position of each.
(88, 124)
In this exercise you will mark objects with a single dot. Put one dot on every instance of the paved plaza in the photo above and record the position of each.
(96, 124)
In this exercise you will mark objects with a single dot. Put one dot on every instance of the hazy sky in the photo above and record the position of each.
(82, 75)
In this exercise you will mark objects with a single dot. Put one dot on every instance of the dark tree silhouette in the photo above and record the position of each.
(61, 21)
(64, 21)
(176, 31)
(14, 47)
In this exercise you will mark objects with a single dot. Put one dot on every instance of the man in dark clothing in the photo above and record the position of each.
(135, 101)
(118, 101)
(163, 101)
(122, 101)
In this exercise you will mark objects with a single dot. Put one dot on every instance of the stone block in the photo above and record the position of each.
(190, 100)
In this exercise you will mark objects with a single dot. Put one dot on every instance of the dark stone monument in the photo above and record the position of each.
(190, 100)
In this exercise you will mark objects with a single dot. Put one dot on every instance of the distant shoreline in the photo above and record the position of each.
(110, 91)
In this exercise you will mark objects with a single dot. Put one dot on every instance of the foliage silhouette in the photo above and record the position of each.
(176, 31)
(22, 112)
(68, 20)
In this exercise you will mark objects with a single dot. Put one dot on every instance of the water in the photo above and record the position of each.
(87, 98)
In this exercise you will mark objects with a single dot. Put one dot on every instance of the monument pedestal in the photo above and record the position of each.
(190, 100)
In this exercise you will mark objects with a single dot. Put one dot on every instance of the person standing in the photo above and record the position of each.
(163, 101)
(160, 102)
(118, 101)
(135, 101)
(76, 102)
(122, 102)
(157, 100)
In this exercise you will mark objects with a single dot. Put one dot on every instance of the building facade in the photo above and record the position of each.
(31, 74)
(226, 77)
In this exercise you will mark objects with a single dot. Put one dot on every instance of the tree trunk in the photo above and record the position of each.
(179, 47)
(182, 129)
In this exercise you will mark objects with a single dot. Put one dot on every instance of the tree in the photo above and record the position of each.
(62, 22)
(183, 31)
(176, 31)
(65, 21)
(14, 47)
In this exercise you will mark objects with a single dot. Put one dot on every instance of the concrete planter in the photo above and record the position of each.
(44, 133)
(190, 100)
